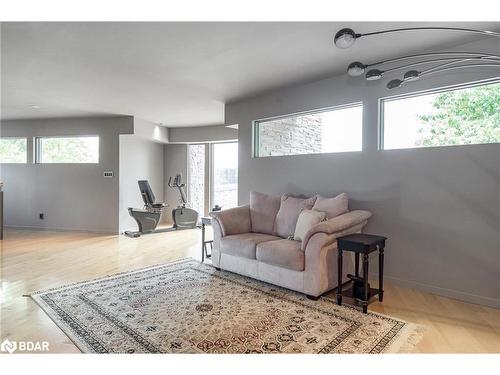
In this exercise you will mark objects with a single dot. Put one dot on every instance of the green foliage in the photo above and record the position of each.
(13, 150)
(468, 116)
(69, 150)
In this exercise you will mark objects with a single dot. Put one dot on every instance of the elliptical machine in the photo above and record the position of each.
(183, 217)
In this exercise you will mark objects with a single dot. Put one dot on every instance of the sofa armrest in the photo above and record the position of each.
(338, 226)
(234, 220)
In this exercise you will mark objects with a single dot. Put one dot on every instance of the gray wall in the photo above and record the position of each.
(72, 196)
(140, 159)
(438, 206)
(175, 161)
(150, 131)
(202, 134)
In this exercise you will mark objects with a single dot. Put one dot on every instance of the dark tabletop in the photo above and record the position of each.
(360, 242)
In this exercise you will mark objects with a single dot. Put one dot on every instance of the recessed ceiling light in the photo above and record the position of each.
(34, 106)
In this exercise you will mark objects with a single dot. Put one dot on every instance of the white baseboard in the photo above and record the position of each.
(57, 229)
(451, 293)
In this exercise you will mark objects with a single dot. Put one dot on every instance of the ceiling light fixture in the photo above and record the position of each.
(346, 37)
(356, 67)
(413, 75)
(376, 74)
(34, 106)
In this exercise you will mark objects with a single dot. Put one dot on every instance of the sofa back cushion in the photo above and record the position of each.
(263, 210)
(289, 211)
(332, 206)
(307, 219)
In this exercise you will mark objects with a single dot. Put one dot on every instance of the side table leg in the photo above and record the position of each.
(202, 242)
(356, 264)
(365, 280)
(381, 274)
(339, 270)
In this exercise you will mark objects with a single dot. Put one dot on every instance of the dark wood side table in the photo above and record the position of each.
(364, 244)
(205, 220)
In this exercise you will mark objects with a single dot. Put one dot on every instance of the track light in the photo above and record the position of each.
(374, 74)
(345, 38)
(394, 84)
(411, 75)
(355, 69)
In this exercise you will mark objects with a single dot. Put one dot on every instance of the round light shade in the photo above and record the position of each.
(411, 75)
(374, 74)
(345, 38)
(355, 69)
(394, 84)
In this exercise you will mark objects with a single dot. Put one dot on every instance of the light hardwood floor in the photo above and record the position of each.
(38, 260)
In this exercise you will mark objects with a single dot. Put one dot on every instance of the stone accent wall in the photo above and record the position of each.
(290, 136)
(197, 178)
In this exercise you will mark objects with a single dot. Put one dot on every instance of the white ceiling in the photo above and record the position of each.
(180, 74)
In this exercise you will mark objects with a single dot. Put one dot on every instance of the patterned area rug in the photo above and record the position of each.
(188, 307)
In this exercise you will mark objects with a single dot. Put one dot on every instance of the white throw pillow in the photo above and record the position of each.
(306, 220)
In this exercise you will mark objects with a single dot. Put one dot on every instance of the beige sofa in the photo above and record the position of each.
(308, 266)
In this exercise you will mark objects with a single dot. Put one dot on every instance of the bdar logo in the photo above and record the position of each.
(8, 346)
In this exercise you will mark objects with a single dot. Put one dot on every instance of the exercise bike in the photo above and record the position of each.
(148, 218)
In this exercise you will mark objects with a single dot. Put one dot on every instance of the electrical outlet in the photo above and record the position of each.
(41, 216)
(108, 174)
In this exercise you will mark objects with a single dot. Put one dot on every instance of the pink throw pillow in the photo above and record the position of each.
(263, 210)
(288, 214)
(332, 206)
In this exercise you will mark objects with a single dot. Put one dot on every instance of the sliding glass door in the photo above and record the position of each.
(212, 176)
(224, 189)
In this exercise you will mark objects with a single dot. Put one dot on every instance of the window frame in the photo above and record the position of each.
(208, 173)
(256, 124)
(37, 148)
(211, 164)
(26, 154)
(413, 94)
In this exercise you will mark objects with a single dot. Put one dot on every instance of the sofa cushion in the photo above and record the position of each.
(243, 245)
(332, 206)
(307, 219)
(263, 210)
(283, 253)
(290, 208)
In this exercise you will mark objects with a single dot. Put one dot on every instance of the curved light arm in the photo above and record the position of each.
(484, 32)
(460, 67)
(396, 83)
(438, 67)
(346, 37)
(453, 59)
(426, 55)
